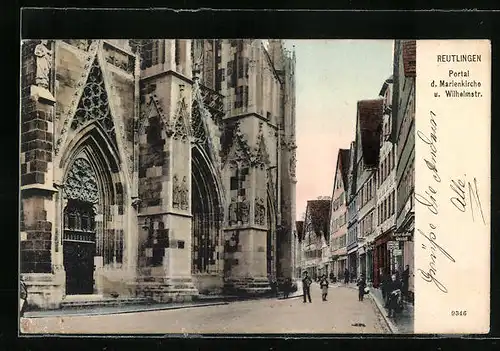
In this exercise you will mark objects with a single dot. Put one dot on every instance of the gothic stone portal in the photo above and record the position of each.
(79, 246)
(79, 238)
(206, 217)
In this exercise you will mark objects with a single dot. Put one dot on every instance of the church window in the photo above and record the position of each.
(234, 183)
(94, 105)
(177, 52)
(152, 53)
(119, 246)
(238, 101)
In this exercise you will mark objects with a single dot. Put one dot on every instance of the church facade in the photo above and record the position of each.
(159, 169)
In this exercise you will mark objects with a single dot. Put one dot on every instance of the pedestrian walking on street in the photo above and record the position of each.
(405, 279)
(332, 277)
(23, 292)
(274, 287)
(287, 287)
(323, 283)
(386, 282)
(306, 287)
(361, 287)
(346, 276)
(394, 300)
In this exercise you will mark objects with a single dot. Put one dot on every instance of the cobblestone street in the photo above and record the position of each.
(337, 315)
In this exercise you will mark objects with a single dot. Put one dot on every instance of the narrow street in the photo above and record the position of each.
(342, 313)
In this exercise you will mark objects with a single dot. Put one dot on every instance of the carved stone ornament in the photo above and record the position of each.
(176, 192)
(260, 211)
(81, 183)
(261, 156)
(181, 118)
(90, 57)
(241, 151)
(197, 54)
(184, 194)
(243, 211)
(199, 116)
(232, 212)
(94, 104)
(43, 64)
(293, 164)
(136, 202)
(81, 44)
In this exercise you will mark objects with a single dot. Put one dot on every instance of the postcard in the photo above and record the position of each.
(216, 186)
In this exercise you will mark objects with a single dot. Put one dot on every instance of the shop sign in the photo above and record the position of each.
(402, 238)
(392, 245)
(397, 252)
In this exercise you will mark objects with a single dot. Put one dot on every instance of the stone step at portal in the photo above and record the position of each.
(104, 301)
(161, 289)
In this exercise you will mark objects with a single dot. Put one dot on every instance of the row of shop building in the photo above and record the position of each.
(367, 225)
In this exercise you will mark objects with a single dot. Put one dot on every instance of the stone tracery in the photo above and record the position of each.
(260, 211)
(81, 182)
(91, 55)
(261, 156)
(240, 150)
(94, 104)
(181, 127)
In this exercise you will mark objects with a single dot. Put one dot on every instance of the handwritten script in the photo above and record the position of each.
(430, 200)
(466, 194)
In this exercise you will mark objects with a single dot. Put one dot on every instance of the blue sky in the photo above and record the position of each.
(331, 76)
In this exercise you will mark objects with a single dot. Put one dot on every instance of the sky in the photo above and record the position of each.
(331, 76)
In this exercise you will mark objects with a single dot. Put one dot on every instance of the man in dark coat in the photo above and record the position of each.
(405, 279)
(386, 282)
(287, 288)
(306, 287)
(346, 276)
(394, 286)
(361, 287)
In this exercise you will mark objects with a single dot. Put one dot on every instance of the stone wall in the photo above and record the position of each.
(36, 158)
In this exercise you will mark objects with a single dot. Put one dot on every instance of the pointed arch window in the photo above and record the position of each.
(152, 53)
(94, 103)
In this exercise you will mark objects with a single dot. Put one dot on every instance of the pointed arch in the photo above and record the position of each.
(153, 109)
(271, 236)
(207, 209)
(93, 135)
(261, 158)
(240, 152)
(181, 123)
(94, 105)
(79, 88)
(90, 160)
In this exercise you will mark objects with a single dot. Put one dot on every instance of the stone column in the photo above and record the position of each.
(169, 55)
(177, 262)
(40, 250)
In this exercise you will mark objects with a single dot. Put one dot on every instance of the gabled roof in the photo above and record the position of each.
(351, 186)
(385, 86)
(410, 57)
(300, 230)
(370, 116)
(344, 164)
(319, 213)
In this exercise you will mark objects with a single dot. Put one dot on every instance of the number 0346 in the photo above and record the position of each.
(459, 313)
